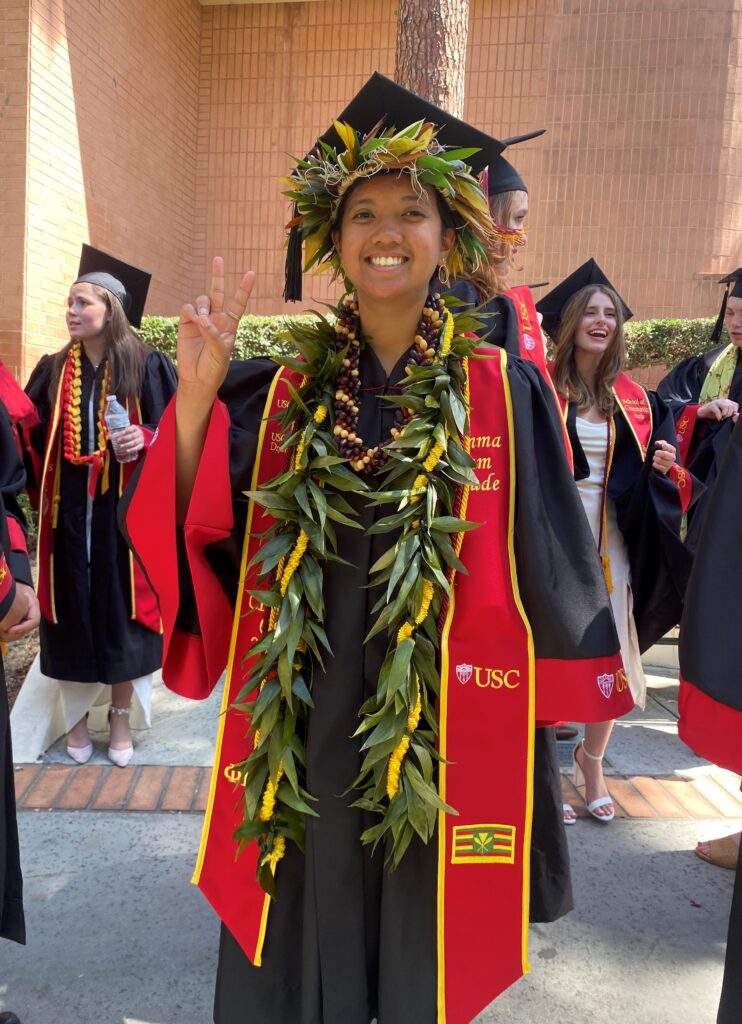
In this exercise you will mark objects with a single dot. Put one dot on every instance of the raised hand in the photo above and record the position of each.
(206, 335)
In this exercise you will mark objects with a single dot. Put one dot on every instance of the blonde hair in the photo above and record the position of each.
(567, 379)
(491, 277)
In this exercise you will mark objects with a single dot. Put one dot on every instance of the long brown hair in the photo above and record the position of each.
(567, 379)
(491, 277)
(125, 352)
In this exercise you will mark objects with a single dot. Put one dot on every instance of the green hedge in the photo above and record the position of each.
(647, 341)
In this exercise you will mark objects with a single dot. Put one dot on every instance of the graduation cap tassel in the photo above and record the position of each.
(292, 285)
(719, 325)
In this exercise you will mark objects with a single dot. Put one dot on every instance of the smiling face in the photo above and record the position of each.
(391, 239)
(598, 324)
(733, 320)
(87, 312)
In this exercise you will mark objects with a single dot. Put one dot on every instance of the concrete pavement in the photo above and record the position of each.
(118, 936)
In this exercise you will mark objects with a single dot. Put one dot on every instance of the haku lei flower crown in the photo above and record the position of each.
(321, 180)
(424, 473)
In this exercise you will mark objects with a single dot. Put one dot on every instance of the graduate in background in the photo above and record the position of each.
(710, 699)
(100, 621)
(704, 394)
(632, 490)
(340, 750)
(19, 615)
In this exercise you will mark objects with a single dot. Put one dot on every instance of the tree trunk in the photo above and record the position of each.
(431, 50)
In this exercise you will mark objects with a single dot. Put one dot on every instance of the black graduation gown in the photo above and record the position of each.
(95, 640)
(498, 315)
(710, 659)
(649, 515)
(345, 941)
(12, 481)
(681, 387)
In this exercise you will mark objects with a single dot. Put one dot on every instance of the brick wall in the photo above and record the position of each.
(159, 130)
(641, 99)
(111, 149)
(13, 135)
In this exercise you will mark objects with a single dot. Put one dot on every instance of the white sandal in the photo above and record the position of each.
(578, 777)
(569, 809)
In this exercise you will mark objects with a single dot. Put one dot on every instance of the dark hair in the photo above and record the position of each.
(567, 380)
(125, 352)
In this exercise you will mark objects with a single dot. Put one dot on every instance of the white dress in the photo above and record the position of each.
(593, 438)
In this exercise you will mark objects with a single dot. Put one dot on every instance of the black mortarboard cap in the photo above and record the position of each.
(733, 284)
(381, 99)
(501, 175)
(127, 283)
(551, 306)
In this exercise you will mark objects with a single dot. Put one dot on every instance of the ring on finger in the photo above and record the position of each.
(235, 316)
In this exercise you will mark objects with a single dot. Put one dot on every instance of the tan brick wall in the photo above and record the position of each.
(641, 99)
(111, 155)
(159, 130)
(13, 135)
(272, 78)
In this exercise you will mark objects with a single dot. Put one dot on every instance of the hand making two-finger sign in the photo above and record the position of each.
(206, 334)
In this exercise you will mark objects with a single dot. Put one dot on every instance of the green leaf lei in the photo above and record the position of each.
(423, 480)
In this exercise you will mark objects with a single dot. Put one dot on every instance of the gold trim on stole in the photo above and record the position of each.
(232, 645)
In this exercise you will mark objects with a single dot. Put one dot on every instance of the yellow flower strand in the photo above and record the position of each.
(405, 632)
(294, 560)
(320, 414)
(276, 853)
(268, 803)
(447, 335)
(434, 457)
(420, 481)
(398, 756)
(425, 603)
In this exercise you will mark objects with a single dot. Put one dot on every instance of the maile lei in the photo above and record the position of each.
(420, 472)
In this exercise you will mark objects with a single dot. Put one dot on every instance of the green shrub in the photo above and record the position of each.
(256, 335)
(647, 341)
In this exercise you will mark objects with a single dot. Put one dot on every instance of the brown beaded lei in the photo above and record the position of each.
(348, 334)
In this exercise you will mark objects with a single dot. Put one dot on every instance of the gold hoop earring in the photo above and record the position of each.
(444, 275)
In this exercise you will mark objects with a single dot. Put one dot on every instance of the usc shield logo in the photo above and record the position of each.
(464, 673)
(605, 684)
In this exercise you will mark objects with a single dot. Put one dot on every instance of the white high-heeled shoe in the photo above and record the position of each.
(578, 777)
(80, 754)
(120, 757)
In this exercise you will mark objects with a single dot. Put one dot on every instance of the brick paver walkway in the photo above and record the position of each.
(158, 788)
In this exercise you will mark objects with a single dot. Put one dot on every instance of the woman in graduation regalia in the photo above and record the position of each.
(704, 393)
(710, 699)
(386, 660)
(100, 622)
(19, 614)
(632, 490)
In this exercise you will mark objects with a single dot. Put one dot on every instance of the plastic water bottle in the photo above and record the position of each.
(117, 419)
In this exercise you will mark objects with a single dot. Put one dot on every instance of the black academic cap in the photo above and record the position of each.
(733, 284)
(381, 99)
(501, 175)
(129, 284)
(551, 306)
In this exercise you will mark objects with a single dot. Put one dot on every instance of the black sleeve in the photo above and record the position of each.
(159, 383)
(559, 572)
(37, 390)
(649, 516)
(682, 385)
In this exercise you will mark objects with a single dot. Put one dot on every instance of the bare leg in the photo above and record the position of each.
(121, 694)
(78, 736)
(596, 739)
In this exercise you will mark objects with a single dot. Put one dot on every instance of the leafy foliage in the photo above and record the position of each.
(428, 465)
(256, 335)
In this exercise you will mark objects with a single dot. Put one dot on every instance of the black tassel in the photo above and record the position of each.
(719, 325)
(292, 286)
